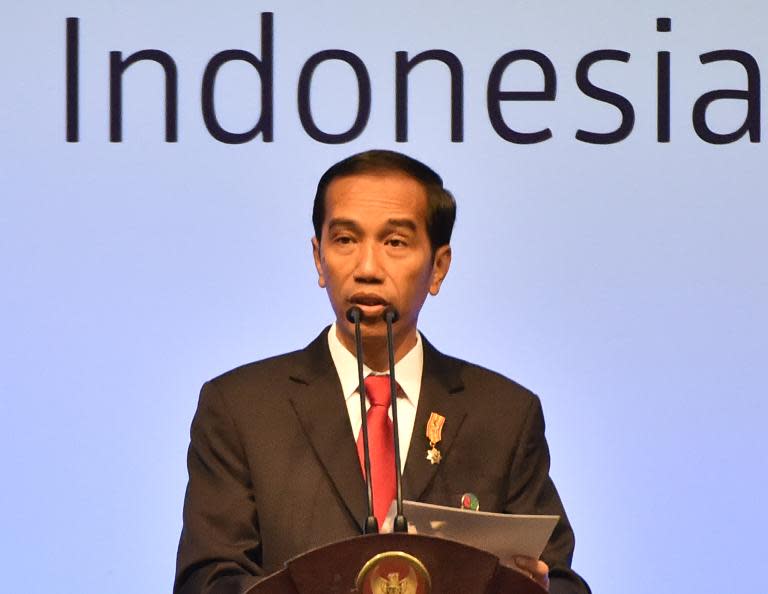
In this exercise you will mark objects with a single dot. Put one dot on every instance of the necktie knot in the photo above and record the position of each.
(377, 388)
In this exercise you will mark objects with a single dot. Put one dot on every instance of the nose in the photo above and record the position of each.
(369, 269)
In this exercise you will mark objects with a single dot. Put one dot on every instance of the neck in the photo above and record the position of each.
(375, 353)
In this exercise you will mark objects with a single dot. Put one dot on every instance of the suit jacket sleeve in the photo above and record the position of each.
(220, 545)
(532, 489)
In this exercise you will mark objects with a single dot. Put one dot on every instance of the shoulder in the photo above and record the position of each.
(275, 375)
(485, 386)
(258, 370)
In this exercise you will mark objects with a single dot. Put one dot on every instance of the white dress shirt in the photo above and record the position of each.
(407, 374)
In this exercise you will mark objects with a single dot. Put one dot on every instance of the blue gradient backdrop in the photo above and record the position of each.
(625, 284)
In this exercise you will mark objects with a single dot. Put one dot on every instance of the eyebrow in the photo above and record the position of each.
(349, 223)
(408, 223)
(339, 222)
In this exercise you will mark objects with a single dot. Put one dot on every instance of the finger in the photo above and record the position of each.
(525, 566)
(528, 564)
(537, 570)
(524, 572)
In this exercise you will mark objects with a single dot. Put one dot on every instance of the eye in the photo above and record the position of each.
(396, 242)
(343, 239)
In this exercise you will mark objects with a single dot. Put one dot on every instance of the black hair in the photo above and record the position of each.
(441, 206)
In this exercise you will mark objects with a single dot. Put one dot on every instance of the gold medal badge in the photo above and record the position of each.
(434, 435)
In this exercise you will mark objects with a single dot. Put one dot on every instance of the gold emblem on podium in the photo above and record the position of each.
(393, 572)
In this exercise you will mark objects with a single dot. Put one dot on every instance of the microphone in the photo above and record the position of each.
(354, 314)
(390, 317)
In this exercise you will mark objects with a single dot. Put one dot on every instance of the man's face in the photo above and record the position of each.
(375, 252)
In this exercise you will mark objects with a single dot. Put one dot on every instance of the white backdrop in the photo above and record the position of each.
(624, 283)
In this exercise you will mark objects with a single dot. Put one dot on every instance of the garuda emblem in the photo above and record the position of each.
(393, 572)
(392, 584)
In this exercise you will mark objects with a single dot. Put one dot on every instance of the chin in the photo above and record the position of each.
(368, 326)
(373, 329)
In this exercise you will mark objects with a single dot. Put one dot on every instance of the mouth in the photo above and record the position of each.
(370, 304)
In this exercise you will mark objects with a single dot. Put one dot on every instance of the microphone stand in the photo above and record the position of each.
(371, 524)
(390, 317)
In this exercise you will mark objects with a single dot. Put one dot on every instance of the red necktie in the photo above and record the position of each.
(381, 445)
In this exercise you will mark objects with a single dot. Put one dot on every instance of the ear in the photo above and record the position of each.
(318, 261)
(440, 266)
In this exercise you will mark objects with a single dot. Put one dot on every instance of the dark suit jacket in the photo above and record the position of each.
(273, 468)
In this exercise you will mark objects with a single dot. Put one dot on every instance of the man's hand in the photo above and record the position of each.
(538, 571)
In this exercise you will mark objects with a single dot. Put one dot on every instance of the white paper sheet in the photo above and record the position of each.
(504, 535)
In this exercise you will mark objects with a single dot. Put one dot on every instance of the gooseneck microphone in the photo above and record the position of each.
(390, 317)
(354, 314)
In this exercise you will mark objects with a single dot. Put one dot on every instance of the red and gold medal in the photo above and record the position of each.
(434, 435)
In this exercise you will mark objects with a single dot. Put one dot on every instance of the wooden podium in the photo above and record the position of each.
(451, 568)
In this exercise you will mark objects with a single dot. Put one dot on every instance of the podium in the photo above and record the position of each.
(384, 564)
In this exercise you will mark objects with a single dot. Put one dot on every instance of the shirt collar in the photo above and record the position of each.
(407, 370)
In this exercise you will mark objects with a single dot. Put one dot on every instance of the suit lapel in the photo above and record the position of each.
(323, 416)
(441, 392)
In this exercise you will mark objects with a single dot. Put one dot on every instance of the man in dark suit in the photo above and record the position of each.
(273, 466)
